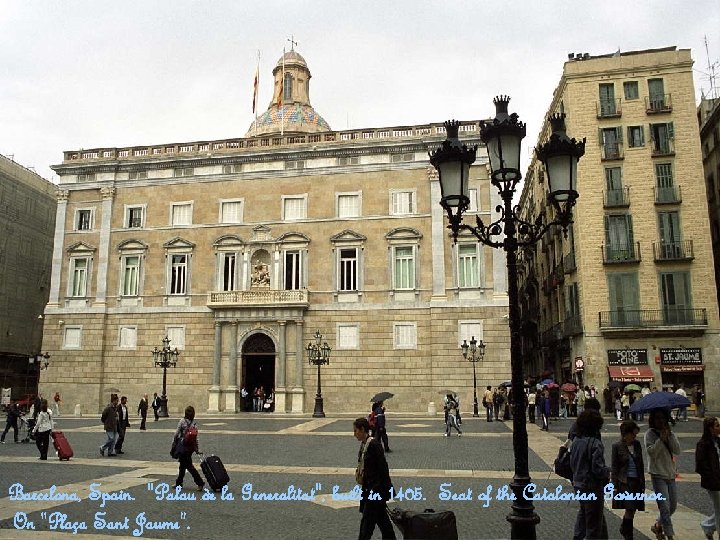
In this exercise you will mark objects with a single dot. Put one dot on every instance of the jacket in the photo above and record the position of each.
(376, 474)
(182, 427)
(44, 422)
(109, 418)
(707, 464)
(142, 406)
(660, 455)
(620, 459)
(587, 461)
(379, 418)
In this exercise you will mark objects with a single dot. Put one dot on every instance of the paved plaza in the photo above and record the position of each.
(271, 455)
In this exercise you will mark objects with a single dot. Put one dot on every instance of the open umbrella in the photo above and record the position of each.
(632, 388)
(552, 385)
(506, 384)
(659, 400)
(547, 382)
(568, 387)
(381, 396)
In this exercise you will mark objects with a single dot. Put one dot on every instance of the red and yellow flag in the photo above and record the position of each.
(255, 86)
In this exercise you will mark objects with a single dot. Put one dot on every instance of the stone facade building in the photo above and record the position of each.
(630, 294)
(239, 250)
(709, 121)
(27, 221)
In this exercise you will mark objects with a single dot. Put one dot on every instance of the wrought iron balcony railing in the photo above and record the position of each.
(609, 108)
(663, 147)
(667, 195)
(658, 104)
(651, 318)
(680, 250)
(615, 198)
(621, 253)
(612, 151)
(569, 262)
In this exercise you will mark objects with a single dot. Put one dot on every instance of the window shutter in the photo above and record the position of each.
(607, 229)
(671, 130)
(631, 240)
(601, 137)
(619, 132)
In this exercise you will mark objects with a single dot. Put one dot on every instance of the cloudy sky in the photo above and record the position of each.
(95, 73)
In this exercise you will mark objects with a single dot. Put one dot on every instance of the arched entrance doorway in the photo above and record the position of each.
(258, 363)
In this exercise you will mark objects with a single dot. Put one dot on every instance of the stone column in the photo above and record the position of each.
(57, 260)
(231, 391)
(108, 194)
(438, 234)
(214, 392)
(280, 367)
(298, 391)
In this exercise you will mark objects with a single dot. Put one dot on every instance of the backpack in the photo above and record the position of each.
(190, 437)
(562, 463)
(372, 419)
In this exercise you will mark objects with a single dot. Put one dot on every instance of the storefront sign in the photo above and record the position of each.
(579, 363)
(627, 357)
(681, 355)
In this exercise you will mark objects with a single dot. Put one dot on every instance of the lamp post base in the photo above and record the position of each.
(476, 413)
(163, 408)
(318, 412)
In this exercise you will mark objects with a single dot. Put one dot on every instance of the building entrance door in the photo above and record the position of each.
(258, 366)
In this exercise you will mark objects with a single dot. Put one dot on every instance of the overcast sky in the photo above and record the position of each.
(95, 73)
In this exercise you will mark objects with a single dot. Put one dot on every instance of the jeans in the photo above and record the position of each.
(451, 423)
(531, 414)
(42, 441)
(375, 513)
(712, 523)
(110, 442)
(590, 521)
(668, 489)
(682, 413)
(186, 464)
(489, 411)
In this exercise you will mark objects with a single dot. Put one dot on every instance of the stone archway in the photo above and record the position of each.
(258, 364)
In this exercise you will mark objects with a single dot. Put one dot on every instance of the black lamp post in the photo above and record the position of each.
(42, 360)
(474, 353)
(502, 137)
(165, 358)
(318, 354)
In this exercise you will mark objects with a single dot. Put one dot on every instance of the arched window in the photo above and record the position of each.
(287, 86)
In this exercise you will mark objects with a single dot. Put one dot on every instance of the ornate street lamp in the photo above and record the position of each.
(42, 360)
(165, 358)
(474, 353)
(318, 355)
(502, 137)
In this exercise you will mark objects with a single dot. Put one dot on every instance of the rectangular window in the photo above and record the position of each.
(79, 273)
(613, 186)
(178, 274)
(127, 338)
(631, 90)
(293, 271)
(231, 211)
(610, 139)
(636, 136)
(402, 202)
(662, 136)
(294, 208)
(229, 262)
(404, 267)
(348, 263)
(182, 214)
(295, 164)
(619, 241)
(345, 161)
(676, 298)
(468, 330)
(134, 217)
(468, 270)
(624, 298)
(131, 276)
(473, 196)
(670, 238)
(607, 100)
(229, 169)
(664, 175)
(656, 93)
(405, 335)
(348, 205)
(176, 335)
(137, 175)
(83, 220)
(348, 336)
(73, 337)
(187, 171)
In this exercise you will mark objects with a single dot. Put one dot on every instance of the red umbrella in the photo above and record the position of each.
(552, 385)
(568, 387)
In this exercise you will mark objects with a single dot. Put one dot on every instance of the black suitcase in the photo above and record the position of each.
(426, 525)
(214, 471)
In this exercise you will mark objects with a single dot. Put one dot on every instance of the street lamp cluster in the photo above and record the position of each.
(165, 358)
(474, 353)
(318, 354)
(42, 360)
(560, 154)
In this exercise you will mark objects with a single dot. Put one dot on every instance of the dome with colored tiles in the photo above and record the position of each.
(290, 111)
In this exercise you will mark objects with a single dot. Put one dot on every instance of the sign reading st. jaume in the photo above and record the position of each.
(681, 355)
(627, 357)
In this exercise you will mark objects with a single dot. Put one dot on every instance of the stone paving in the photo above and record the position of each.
(270, 453)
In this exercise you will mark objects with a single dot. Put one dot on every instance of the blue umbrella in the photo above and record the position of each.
(506, 384)
(547, 381)
(659, 400)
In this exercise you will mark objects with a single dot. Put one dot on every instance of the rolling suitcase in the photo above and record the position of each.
(62, 446)
(426, 525)
(214, 471)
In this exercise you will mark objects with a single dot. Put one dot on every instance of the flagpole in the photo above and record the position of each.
(255, 90)
(282, 91)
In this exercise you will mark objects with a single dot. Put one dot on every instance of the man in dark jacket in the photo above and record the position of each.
(380, 431)
(142, 411)
(13, 413)
(373, 476)
(109, 418)
(123, 424)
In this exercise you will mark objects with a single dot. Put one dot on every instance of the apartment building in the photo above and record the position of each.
(239, 250)
(709, 122)
(629, 295)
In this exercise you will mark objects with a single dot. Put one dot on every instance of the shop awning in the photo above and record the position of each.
(631, 373)
(682, 368)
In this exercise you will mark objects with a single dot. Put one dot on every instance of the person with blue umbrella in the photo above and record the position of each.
(662, 447)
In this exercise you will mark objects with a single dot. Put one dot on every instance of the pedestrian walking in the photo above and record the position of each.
(545, 411)
(580, 401)
(531, 407)
(662, 446)
(43, 428)
(591, 404)
(123, 424)
(380, 426)
(372, 475)
(457, 409)
(109, 418)
(628, 475)
(142, 411)
(56, 403)
(451, 410)
(156, 405)
(487, 402)
(618, 407)
(682, 411)
(13, 415)
(707, 465)
(590, 475)
(244, 398)
(699, 400)
(187, 441)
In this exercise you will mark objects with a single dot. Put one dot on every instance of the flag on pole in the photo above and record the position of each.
(280, 96)
(255, 84)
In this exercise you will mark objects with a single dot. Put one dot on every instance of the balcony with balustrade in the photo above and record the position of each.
(679, 250)
(667, 195)
(617, 198)
(612, 151)
(658, 104)
(621, 253)
(258, 298)
(670, 320)
(609, 108)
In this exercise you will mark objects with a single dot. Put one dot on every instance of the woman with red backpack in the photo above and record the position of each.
(184, 444)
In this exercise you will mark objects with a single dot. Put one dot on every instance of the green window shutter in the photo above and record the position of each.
(631, 240)
(607, 229)
(619, 132)
(671, 130)
(601, 137)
